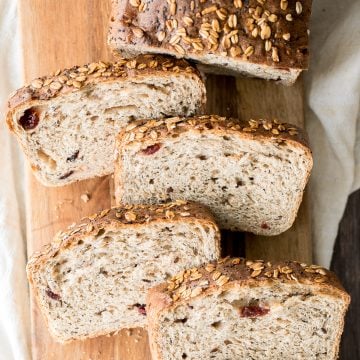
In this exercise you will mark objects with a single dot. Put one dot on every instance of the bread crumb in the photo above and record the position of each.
(85, 197)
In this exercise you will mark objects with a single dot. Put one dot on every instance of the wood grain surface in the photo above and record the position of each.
(67, 32)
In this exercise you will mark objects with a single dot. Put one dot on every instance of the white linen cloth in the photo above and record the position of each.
(332, 114)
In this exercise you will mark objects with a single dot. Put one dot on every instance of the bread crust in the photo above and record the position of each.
(229, 273)
(77, 78)
(272, 34)
(143, 135)
(112, 219)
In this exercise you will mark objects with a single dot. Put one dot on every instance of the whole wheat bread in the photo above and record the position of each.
(241, 309)
(251, 174)
(92, 280)
(66, 123)
(267, 39)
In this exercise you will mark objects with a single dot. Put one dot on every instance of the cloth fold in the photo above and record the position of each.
(332, 118)
(14, 296)
(333, 96)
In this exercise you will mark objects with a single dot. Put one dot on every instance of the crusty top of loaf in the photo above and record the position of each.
(115, 218)
(228, 271)
(270, 32)
(156, 130)
(77, 77)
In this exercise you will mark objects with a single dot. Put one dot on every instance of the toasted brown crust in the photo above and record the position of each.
(230, 272)
(78, 77)
(272, 33)
(117, 217)
(153, 131)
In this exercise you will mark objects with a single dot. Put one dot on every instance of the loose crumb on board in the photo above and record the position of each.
(85, 197)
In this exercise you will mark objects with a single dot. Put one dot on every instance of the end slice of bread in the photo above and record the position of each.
(92, 280)
(251, 174)
(241, 309)
(66, 123)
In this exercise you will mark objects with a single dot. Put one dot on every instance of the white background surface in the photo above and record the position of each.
(333, 95)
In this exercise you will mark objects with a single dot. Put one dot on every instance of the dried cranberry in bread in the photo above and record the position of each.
(66, 123)
(267, 39)
(92, 280)
(241, 309)
(251, 174)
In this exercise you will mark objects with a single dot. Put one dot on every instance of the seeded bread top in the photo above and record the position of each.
(116, 217)
(77, 77)
(155, 130)
(271, 32)
(228, 271)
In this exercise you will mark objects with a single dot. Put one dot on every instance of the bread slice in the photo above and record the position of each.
(66, 123)
(251, 174)
(92, 280)
(267, 39)
(241, 309)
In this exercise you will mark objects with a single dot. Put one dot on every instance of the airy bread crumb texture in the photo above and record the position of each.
(284, 311)
(250, 174)
(68, 130)
(93, 279)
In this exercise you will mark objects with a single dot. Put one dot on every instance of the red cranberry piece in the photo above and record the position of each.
(66, 175)
(29, 120)
(73, 157)
(52, 295)
(141, 309)
(152, 149)
(252, 311)
(265, 226)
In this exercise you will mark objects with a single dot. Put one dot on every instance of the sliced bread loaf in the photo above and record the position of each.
(240, 309)
(267, 39)
(66, 123)
(251, 174)
(92, 280)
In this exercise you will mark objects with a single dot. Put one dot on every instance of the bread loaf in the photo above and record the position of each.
(92, 280)
(66, 123)
(267, 39)
(241, 309)
(251, 174)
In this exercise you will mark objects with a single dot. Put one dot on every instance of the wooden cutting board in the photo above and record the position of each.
(63, 33)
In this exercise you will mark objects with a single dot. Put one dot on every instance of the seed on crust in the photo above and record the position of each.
(272, 18)
(222, 280)
(138, 32)
(286, 36)
(255, 273)
(178, 48)
(169, 214)
(298, 7)
(76, 84)
(275, 54)
(37, 84)
(135, 3)
(216, 275)
(195, 292)
(249, 50)
(265, 32)
(55, 85)
(188, 20)
(161, 35)
(268, 45)
(283, 4)
(210, 267)
(238, 4)
(130, 216)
